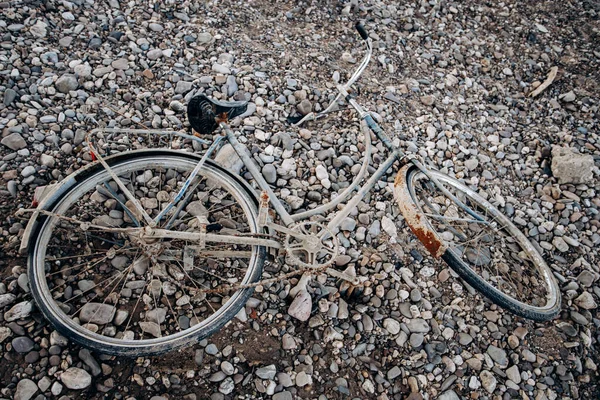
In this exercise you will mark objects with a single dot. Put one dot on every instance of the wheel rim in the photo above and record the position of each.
(159, 320)
(498, 253)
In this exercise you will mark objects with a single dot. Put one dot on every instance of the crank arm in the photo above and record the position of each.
(342, 275)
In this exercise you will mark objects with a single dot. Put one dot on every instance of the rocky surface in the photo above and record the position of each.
(449, 80)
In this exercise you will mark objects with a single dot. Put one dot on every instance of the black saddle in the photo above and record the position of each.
(205, 114)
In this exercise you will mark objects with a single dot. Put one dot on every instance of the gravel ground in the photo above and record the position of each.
(450, 80)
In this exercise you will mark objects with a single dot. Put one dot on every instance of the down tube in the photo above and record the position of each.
(364, 189)
(240, 149)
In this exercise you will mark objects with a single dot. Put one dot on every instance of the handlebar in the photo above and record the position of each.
(297, 121)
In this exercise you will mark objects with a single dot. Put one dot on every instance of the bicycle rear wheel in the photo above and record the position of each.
(105, 289)
(491, 255)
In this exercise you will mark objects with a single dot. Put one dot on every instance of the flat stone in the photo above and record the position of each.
(18, 311)
(449, 395)
(151, 327)
(586, 301)
(303, 379)
(9, 96)
(121, 63)
(301, 306)
(97, 313)
(498, 355)
(513, 374)
(7, 299)
(418, 325)
(285, 395)
(14, 141)
(26, 388)
(394, 373)
(66, 83)
(569, 166)
(391, 325)
(270, 173)
(183, 87)
(76, 378)
(488, 381)
(267, 372)
(22, 344)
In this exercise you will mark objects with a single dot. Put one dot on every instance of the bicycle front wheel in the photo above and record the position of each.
(106, 289)
(491, 254)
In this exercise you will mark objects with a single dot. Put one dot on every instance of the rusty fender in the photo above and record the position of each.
(416, 221)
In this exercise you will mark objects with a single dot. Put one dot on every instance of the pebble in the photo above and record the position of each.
(66, 83)
(26, 388)
(59, 63)
(14, 141)
(76, 378)
(22, 344)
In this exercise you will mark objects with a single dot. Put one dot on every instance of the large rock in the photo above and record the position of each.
(571, 167)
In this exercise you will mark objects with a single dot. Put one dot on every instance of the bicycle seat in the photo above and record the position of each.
(205, 113)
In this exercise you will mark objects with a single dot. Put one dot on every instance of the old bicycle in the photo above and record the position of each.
(146, 251)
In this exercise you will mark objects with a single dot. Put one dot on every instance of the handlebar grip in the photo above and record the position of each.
(361, 30)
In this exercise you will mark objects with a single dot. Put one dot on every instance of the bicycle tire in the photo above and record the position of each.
(459, 256)
(79, 185)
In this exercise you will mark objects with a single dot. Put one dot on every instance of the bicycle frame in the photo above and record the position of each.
(368, 126)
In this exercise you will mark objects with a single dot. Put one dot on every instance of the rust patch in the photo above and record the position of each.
(418, 225)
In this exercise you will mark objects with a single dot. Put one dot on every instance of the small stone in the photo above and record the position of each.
(9, 96)
(151, 327)
(305, 107)
(416, 339)
(301, 306)
(227, 386)
(97, 313)
(513, 374)
(183, 87)
(394, 373)
(498, 355)
(488, 381)
(66, 83)
(418, 325)
(449, 395)
(22, 344)
(270, 173)
(26, 388)
(204, 37)
(428, 100)
(567, 97)
(285, 395)
(76, 378)
(4, 333)
(211, 349)
(121, 63)
(391, 325)
(303, 379)
(571, 167)
(18, 311)
(267, 372)
(7, 299)
(586, 301)
(154, 54)
(14, 141)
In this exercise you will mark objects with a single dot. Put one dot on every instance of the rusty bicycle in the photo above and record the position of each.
(146, 251)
